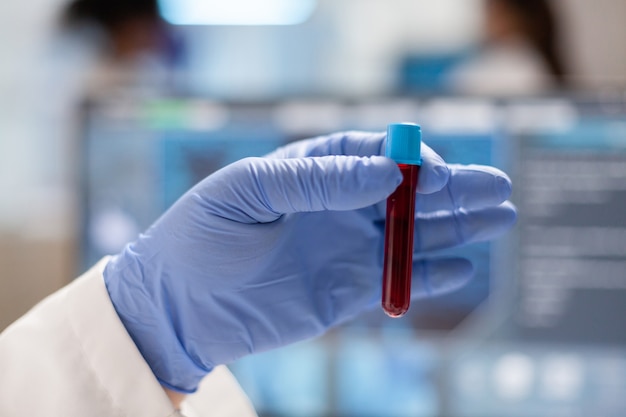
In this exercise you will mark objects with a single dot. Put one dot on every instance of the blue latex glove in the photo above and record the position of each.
(269, 251)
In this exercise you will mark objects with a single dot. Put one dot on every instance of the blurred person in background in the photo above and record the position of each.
(89, 47)
(130, 39)
(521, 52)
(101, 47)
(72, 51)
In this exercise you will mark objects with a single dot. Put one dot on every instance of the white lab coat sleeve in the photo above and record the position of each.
(71, 356)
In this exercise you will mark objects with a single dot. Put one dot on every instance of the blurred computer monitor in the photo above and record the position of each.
(538, 332)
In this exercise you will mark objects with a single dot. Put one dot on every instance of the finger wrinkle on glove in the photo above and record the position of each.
(426, 280)
(456, 212)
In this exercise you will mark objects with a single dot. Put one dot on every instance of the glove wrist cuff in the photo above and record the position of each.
(147, 320)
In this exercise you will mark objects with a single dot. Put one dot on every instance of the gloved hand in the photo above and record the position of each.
(269, 251)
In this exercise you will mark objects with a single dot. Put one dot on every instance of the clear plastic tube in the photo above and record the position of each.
(403, 145)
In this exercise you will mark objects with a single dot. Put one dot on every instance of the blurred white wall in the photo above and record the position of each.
(596, 31)
(352, 46)
(348, 47)
(25, 161)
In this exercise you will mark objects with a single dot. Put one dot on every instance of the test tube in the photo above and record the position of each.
(403, 146)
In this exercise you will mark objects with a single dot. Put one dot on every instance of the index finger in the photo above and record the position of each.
(433, 175)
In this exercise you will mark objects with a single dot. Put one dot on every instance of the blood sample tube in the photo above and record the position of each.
(403, 146)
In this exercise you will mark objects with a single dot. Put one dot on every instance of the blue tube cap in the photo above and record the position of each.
(404, 142)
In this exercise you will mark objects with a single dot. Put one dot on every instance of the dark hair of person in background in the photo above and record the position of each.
(109, 14)
(537, 22)
(129, 25)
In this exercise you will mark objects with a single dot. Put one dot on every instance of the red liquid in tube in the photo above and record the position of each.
(398, 258)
